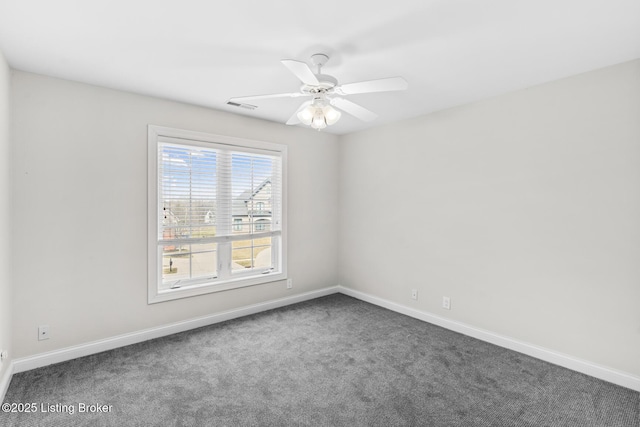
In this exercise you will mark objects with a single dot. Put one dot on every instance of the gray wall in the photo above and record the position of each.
(524, 209)
(80, 185)
(6, 250)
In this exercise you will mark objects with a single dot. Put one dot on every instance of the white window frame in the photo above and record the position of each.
(155, 293)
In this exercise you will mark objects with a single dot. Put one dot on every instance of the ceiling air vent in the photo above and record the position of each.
(237, 104)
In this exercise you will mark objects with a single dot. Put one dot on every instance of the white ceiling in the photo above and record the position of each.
(204, 52)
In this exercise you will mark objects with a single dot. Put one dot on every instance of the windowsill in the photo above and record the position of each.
(211, 287)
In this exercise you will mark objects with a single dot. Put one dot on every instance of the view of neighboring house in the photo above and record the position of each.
(253, 208)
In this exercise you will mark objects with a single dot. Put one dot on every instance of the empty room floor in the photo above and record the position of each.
(332, 361)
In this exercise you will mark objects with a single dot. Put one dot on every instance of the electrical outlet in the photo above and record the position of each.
(289, 283)
(43, 332)
(446, 303)
(414, 294)
(3, 355)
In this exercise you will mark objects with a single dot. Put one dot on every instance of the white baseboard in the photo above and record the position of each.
(5, 380)
(64, 354)
(620, 378)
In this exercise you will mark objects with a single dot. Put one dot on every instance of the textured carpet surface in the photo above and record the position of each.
(334, 361)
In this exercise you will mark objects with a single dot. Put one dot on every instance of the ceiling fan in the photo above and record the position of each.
(325, 93)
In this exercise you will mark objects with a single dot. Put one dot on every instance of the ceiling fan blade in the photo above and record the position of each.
(381, 85)
(302, 71)
(354, 109)
(294, 120)
(274, 95)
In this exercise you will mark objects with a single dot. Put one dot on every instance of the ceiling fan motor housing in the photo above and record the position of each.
(326, 83)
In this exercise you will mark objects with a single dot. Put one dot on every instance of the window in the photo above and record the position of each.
(202, 190)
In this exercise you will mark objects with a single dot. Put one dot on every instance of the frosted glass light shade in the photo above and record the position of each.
(331, 115)
(318, 120)
(306, 115)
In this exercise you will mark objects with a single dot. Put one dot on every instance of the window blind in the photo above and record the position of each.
(219, 211)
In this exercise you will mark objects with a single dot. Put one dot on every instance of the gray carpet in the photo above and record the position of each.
(333, 361)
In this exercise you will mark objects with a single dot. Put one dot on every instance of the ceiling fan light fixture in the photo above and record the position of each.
(331, 115)
(319, 114)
